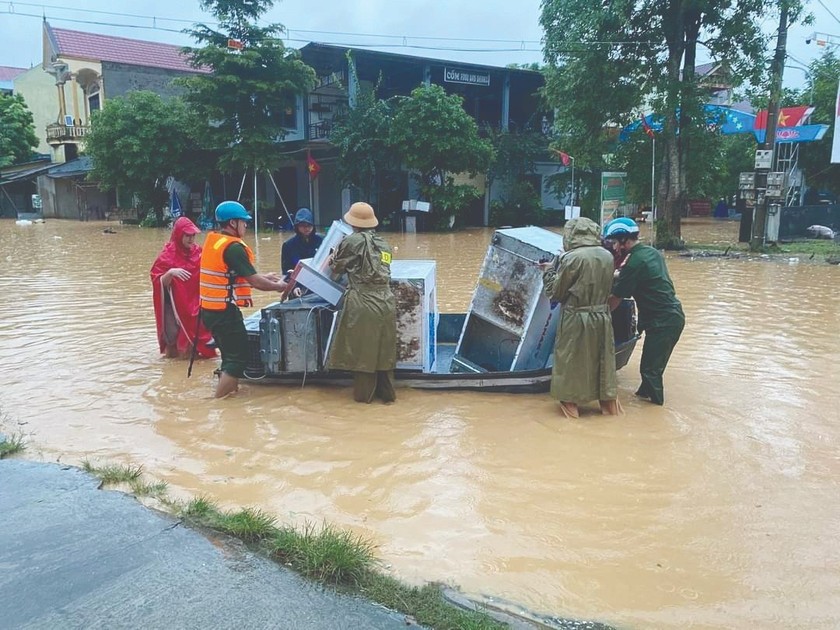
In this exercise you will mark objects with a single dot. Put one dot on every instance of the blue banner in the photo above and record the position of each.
(174, 204)
(718, 117)
(803, 133)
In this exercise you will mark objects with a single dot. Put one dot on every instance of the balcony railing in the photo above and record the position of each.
(58, 133)
(320, 130)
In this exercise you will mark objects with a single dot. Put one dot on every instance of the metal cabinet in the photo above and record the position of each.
(413, 285)
(294, 334)
(510, 324)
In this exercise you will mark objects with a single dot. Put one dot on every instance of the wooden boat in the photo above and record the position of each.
(442, 378)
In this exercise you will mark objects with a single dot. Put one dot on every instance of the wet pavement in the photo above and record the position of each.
(73, 556)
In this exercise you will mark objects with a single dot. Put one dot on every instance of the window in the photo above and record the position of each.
(288, 118)
(93, 98)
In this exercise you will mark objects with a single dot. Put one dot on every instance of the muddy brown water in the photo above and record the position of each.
(720, 510)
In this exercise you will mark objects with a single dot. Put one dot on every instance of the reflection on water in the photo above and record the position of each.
(719, 510)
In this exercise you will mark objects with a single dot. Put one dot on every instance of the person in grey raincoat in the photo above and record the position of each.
(366, 335)
(584, 350)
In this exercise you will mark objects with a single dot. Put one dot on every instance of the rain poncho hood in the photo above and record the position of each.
(581, 232)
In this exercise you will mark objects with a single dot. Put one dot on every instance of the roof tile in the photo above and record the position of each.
(7, 73)
(133, 52)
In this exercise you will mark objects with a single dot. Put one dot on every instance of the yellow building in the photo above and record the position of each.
(70, 83)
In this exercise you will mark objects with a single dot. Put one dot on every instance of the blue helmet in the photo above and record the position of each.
(304, 215)
(622, 226)
(229, 210)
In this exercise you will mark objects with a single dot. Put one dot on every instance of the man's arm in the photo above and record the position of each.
(237, 260)
(625, 285)
(266, 282)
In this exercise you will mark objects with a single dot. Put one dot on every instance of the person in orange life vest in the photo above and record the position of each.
(227, 275)
(174, 277)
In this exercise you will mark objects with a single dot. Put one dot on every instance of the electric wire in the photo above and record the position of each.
(404, 40)
(822, 4)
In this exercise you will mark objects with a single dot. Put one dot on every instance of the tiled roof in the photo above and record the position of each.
(133, 52)
(704, 68)
(7, 73)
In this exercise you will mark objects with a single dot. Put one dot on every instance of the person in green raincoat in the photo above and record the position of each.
(584, 350)
(365, 341)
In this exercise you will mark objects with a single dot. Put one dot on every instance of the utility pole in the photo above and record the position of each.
(765, 157)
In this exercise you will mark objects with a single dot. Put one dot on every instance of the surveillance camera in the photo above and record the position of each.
(808, 40)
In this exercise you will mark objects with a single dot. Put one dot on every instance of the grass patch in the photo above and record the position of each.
(327, 554)
(148, 488)
(815, 247)
(425, 603)
(249, 524)
(12, 444)
(199, 507)
(113, 473)
(818, 248)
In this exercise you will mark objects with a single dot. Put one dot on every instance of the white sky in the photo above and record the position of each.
(510, 28)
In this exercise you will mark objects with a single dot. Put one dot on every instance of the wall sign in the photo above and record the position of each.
(468, 77)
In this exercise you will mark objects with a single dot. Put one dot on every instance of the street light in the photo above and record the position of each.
(807, 74)
(823, 39)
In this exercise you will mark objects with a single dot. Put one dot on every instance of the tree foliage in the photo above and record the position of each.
(246, 94)
(514, 158)
(17, 130)
(136, 142)
(607, 60)
(436, 138)
(362, 135)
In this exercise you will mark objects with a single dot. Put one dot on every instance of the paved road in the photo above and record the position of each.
(72, 556)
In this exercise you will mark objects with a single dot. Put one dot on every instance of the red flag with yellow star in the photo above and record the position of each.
(788, 117)
(313, 166)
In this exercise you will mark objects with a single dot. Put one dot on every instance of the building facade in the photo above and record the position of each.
(498, 97)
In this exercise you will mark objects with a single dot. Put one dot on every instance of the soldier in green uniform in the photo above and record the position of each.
(366, 335)
(644, 276)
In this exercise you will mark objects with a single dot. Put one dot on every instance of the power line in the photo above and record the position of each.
(293, 39)
(97, 23)
(115, 13)
(522, 43)
(822, 4)
(403, 44)
(288, 29)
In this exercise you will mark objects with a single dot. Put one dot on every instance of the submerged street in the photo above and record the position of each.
(719, 509)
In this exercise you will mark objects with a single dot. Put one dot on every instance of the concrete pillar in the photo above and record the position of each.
(506, 102)
(62, 105)
(75, 89)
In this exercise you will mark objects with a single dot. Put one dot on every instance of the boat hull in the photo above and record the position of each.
(521, 381)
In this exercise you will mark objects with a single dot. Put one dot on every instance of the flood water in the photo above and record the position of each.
(720, 510)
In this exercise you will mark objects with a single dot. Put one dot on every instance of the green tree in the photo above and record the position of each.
(608, 59)
(437, 138)
(362, 136)
(248, 95)
(514, 156)
(815, 157)
(717, 161)
(17, 130)
(136, 142)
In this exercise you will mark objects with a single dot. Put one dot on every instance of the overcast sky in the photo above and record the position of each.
(509, 31)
